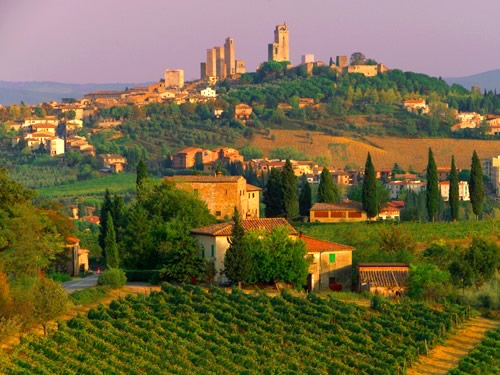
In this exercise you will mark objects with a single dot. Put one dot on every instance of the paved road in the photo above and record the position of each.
(79, 284)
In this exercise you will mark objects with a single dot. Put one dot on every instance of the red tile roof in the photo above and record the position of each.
(72, 240)
(253, 188)
(207, 179)
(225, 229)
(314, 245)
(337, 206)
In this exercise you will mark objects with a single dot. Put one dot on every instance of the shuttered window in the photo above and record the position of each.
(332, 258)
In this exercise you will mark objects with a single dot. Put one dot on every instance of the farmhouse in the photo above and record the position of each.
(330, 266)
(387, 279)
(222, 194)
(114, 162)
(337, 212)
(76, 259)
(242, 112)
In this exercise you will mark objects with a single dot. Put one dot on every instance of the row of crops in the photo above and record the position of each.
(186, 330)
(483, 359)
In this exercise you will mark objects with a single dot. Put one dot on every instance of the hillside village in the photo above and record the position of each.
(392, 241)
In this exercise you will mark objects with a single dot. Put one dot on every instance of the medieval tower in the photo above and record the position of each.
(279, 50)
(229, 57)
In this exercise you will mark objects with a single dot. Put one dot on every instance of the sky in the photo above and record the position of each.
(107, 41)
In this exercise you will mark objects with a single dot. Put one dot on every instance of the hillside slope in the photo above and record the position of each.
(385, 151)
(487, 80)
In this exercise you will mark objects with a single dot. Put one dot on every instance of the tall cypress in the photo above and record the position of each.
(432, 194)
(305, 196)
(273, 194)
(369, 192)
(327, 189)
(476, 185)
(454, 199)
(290, 196)
(107, 207)
(110, 246)
(142, 176)
(237, 261)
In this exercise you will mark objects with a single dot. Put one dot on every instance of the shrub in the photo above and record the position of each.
(87, 296)
(59, 277)
(149, 276)
(113, 278)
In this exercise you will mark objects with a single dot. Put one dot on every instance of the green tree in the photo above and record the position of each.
(142, 177)
(237, 262)
(50, 301)
(110, 246)
(432, 195)
(106, 208)
(305, 196)
(273, 194)
(454, 199)
(369, 192)
(327, 189)
(290, 197)
(428, 282)
(476, 185)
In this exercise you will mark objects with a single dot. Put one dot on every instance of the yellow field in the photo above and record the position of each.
(385, 151)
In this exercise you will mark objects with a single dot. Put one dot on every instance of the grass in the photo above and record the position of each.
(116, 183)
(89, 295)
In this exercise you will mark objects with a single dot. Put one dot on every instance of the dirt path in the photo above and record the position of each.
(445, 357)
(73, 311)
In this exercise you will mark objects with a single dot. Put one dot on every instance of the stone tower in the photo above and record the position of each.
(220, 67)
(279, 50)
(211, 66)
(229, 57)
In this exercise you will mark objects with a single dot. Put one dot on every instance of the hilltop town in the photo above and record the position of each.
(244, 180)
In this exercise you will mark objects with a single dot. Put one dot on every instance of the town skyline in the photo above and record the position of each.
(121, 41)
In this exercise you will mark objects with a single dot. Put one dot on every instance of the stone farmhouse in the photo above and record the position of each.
(113, 162)
(222, 194)
(76, 259)
(387, 279)
(187, 158)
(416, 106)
(331, 262)
(337, 212)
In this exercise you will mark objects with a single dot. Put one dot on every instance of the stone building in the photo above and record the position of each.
(229, 57)
(174, 78)
(330, 266)
(74, 260)
(337, 212)
(387, 279)
(113, 162)
(223, 194)
(279, 50)
(242, 112)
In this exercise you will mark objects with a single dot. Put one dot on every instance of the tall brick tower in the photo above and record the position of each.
(229, 57)
(279, 50)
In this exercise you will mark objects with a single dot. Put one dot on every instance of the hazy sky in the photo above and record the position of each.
(100, 41)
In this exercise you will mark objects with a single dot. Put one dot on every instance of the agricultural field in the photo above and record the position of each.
(116, 183)
(483, 359)
(385, 151)
(186, 330)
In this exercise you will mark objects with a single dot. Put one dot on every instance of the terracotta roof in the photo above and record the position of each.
(384, 277)
(72, 240)
(397, 204)
(253, 188)
(189, 150)
(314, 245)
(207, 179)
(337, 206)
(225, 229)
(414, 101)
(91, 219)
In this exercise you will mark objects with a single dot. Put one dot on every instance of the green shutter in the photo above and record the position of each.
(332, 258)
(213, 251)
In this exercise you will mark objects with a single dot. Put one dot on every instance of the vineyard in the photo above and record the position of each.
(483, 359)
(186, 330)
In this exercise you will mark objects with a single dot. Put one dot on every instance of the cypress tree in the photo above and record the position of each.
(110, 246)
(369, 192)
(327, 189)
(141, 177)
(107, 207)
(432, 194)
(290, 196)
(476, 185)
(237, 261)
(273, 194)
(305, 196)
(118, 215)
(454, 199)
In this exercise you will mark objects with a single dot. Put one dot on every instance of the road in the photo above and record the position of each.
(79, 284)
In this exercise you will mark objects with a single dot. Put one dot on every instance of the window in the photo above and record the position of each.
(218, 213)
(253, 195)
(332, 258)
(213, 251)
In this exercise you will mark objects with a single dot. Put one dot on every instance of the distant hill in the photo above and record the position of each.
(39, 92)
(488, 80)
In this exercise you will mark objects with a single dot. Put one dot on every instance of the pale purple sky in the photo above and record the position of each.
(99, 41)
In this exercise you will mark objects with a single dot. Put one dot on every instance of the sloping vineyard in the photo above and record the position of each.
(186, 330)
(483, 359)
